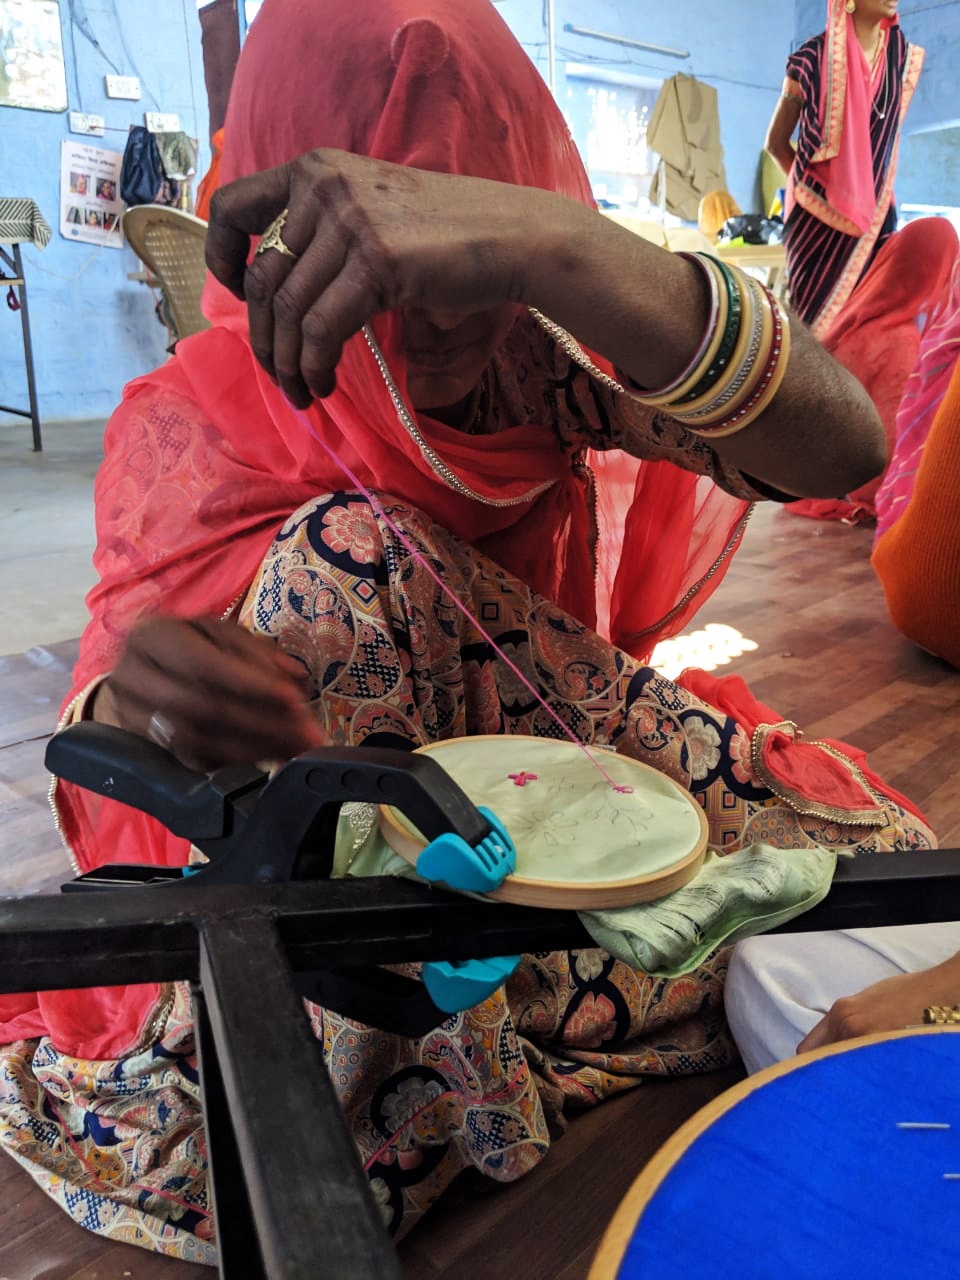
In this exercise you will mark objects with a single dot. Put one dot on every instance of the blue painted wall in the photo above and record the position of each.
(929, 171)
(93, 330)
(929, 163)
(738, 48)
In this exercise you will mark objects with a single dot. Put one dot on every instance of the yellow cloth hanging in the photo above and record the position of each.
(684, 131)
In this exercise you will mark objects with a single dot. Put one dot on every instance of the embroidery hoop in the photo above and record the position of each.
(651, 787)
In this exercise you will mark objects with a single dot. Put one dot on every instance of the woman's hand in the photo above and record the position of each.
(373, 237)
(220, 694)
(889, 1005)
(369, 237)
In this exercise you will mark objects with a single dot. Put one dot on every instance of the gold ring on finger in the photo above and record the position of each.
(273, 238)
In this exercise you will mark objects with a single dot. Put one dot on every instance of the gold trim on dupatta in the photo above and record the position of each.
(799, 803)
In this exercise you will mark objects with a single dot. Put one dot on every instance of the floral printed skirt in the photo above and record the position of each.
(392, 661)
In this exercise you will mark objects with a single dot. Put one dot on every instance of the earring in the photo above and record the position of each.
(851, 6)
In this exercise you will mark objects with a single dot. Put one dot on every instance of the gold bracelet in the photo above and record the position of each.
(940, 1015)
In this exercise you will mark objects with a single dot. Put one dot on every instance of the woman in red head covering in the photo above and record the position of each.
(877, 337)
(421, 205)
(848, 89)
(878, 334)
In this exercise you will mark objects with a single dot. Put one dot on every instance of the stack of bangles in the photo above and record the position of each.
(740, 363)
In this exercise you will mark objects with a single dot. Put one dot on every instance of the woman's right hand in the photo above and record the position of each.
(210, 692)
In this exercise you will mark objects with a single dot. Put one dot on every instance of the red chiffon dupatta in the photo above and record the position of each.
(877, 338)
(205, 459)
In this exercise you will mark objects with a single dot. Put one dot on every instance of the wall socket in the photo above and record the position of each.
(122, 87)
(82, 122)
(162, 121)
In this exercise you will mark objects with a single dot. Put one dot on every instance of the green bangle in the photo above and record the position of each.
(731, 333)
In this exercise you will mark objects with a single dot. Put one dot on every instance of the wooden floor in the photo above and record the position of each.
(826, 656)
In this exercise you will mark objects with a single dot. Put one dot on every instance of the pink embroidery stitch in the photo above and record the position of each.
(522, 778)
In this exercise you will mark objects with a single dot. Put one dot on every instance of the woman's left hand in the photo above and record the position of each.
(368, 237)
(889, 1005)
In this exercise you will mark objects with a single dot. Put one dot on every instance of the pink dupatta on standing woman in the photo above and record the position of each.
(846, 167)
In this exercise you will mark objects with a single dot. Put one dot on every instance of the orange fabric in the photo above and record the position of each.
(211, 179)
(918, 558)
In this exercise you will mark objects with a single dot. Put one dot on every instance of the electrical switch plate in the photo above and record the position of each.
(122, 87)
(83, 122)
(162, 121)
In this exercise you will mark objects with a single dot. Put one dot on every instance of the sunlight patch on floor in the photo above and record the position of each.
(715, 645)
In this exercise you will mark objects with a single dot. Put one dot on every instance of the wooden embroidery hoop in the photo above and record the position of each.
(580, 895)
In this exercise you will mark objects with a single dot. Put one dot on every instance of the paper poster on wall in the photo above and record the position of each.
(90, 204)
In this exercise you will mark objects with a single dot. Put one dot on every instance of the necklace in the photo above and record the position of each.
(882, 91)
(429, 454)
(881, 113)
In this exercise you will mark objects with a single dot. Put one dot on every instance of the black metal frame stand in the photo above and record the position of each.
(11, 257)
(289, 1193)
(260, 927)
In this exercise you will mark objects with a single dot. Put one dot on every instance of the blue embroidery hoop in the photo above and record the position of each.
(803, 1170)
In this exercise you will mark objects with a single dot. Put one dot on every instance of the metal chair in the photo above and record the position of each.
(170, 244)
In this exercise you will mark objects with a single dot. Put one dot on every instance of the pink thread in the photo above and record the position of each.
(522, 778)
(424, 563)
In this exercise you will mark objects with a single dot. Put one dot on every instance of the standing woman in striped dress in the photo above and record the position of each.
(848, 90)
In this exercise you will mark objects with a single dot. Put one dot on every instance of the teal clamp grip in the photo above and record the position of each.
(455, 987)
(451, 861)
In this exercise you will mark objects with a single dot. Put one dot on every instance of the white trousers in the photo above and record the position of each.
(779, 987)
